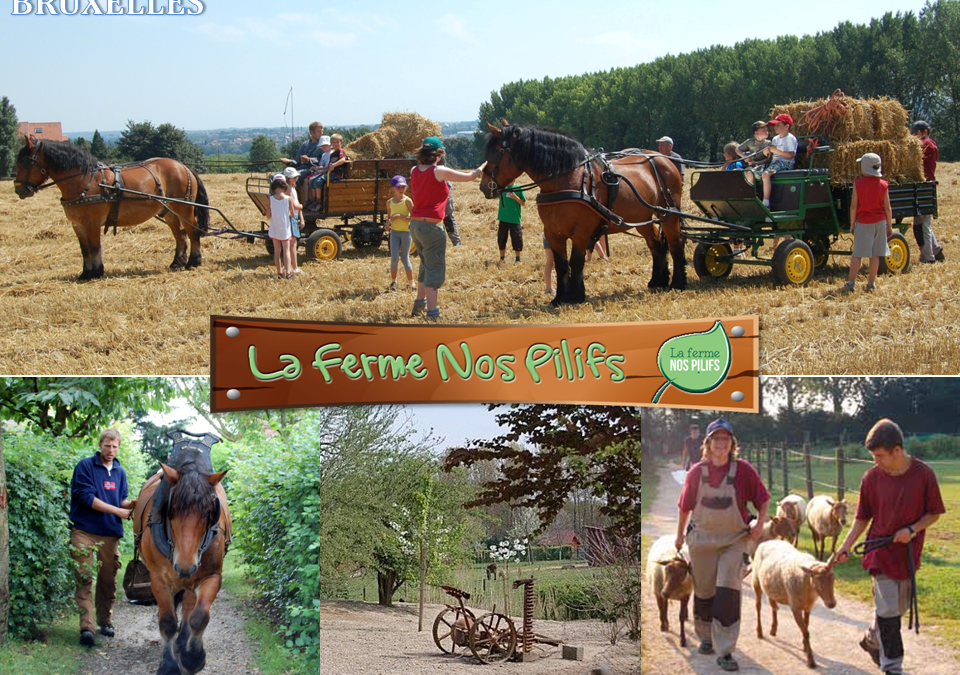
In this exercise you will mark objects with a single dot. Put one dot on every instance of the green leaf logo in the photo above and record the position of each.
(695, 363)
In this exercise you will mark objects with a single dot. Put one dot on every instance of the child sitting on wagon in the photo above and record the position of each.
(782, 151)
(318, 174)
(750, 148)
(871, 220)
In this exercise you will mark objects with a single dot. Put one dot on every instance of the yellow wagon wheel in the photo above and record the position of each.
(793, 263)
(324, 245)
(705, 261)
(898, 261)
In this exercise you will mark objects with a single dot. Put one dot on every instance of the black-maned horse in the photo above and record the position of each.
(584, 195)
(89, 206)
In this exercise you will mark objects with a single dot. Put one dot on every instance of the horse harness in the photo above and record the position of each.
(159, 521)
(114, 193)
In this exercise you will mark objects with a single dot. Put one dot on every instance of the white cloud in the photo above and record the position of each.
(328, 39)
(454, 26)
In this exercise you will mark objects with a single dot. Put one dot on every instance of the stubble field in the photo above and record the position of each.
(144, 319)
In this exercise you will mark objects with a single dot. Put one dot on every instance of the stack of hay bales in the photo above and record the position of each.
(856, 127)
(399, 134)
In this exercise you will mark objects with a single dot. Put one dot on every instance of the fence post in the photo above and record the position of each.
(841, 487)
(806, 460)
(786, 479)
(769, 466)
(759, 463)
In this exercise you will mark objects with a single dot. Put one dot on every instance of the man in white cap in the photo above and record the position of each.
(665, 145)
(930, 249)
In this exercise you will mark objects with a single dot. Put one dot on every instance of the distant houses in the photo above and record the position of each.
(50, 131)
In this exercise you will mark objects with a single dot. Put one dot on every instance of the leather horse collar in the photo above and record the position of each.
(193, 449)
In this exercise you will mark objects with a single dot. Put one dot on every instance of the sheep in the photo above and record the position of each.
(669, 573)
(777, 527)
(791, 577)
(826, 517)
(794, 508)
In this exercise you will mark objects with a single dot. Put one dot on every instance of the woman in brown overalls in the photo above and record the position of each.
(714, 502)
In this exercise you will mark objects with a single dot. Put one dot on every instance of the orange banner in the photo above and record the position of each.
(705, 363)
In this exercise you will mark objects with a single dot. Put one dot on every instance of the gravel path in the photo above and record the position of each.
(834, 634)
(136, 648)
(360, 639)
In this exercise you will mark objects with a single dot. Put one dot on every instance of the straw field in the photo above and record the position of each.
(143, 319)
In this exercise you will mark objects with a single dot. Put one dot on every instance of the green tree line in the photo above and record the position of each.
(706, 98)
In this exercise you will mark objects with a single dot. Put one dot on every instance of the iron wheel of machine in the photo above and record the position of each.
(493, 638)
(445, 630)
(898, 262)
(793, 263)
(324, 244)
(705, 262)
(821, 251)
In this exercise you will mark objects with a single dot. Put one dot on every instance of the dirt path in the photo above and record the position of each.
(136, 648)
(834, 634)
(359, 639)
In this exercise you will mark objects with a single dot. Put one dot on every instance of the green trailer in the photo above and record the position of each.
(807, 214)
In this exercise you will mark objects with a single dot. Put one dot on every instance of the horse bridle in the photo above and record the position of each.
(493, 186)
(33, 187)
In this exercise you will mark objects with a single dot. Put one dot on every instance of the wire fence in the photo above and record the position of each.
(786, 469)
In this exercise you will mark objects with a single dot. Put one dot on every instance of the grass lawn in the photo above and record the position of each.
(938, 581)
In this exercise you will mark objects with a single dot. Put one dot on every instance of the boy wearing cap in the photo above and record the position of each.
(665, 145)
(930, 249)
(899, 498)
(871, 220)
(318, 175)
(752, 149)
(714, 501)
(781, 151)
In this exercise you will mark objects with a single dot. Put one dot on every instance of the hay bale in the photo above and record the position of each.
(843, 118)
(399, 134)
(902, 160)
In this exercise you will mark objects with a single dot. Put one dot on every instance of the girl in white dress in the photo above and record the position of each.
(280, 210)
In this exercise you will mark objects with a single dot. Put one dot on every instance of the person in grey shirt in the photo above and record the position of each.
(665, 145)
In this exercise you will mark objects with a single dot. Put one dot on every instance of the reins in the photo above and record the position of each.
(869, 545)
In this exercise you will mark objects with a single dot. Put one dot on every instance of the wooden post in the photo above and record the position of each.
(806, 460)
(841, 488)
(786, 479)
(769, 466)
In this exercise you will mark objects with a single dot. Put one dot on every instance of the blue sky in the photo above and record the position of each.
(349, 62)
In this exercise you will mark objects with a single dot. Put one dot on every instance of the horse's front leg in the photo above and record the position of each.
(192, 655)
(89, 238)
(660, 277)
(191, 229)
(562, 267)
(576, 292)
(168, 626)
(676, 242)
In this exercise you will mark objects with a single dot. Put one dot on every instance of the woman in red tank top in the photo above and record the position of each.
(429, 189)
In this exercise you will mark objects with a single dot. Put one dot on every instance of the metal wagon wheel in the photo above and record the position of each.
(450, 629)
(706, 263)
(493, 638)
(898, 261)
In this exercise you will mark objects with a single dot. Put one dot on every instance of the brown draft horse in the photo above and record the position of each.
(558, 164)
(90, 207)
(195, 513)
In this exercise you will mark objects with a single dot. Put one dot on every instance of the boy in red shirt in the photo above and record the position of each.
(871, 220)
(930, 249)
(899, 497)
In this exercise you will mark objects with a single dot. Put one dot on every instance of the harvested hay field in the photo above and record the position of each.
(143, 319)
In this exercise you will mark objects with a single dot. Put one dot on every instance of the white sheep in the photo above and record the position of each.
(790, 577)
(776, 527)
(668, 572)
(794, 508)
(826, 518)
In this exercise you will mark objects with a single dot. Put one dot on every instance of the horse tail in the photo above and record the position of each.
(202, 214)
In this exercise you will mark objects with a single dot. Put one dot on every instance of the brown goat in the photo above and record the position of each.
(669, 573)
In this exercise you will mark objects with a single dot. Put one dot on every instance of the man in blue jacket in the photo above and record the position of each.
(98, 502)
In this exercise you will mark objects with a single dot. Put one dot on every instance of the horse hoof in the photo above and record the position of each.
(190, 664)
(193, 262)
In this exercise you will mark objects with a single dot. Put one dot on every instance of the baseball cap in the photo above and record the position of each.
(324, 140)
(290, 172)
(919, 125)
(719, 424)
(432, 143)
(870, 164)
(279, 176)
(665, 139)
(782, 117)
(398, 181)
(759, 124)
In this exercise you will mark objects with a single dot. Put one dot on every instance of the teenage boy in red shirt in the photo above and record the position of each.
(899, 497)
